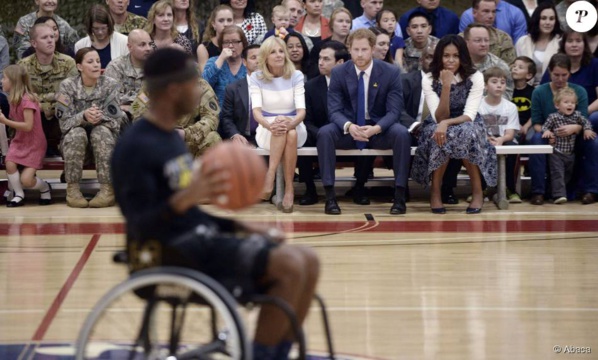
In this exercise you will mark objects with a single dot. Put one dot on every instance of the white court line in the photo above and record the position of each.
(363, 309)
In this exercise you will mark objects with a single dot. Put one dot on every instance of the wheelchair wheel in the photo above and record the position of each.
(164, 313)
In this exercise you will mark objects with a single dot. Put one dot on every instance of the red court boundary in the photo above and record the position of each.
(458, 226)
(62, 294)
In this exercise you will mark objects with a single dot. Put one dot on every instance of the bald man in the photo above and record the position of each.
(128, 69)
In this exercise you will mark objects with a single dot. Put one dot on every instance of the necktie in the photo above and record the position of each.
(361, 107)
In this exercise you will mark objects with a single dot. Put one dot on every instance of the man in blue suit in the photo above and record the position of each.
(365, 101)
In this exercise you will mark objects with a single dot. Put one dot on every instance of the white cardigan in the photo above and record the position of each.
(118, 44)
(526, 47)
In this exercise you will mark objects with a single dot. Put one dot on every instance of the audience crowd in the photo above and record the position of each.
(504, 72)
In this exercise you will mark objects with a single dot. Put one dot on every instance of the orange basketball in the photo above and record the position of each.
(247, 172)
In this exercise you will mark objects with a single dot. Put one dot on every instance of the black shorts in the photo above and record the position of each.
(237, 263)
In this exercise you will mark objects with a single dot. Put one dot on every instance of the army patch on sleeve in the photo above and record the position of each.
(143, 97)
(213, 105)
(63, 99)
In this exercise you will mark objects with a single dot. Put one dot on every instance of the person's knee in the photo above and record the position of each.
(27, 180)
(292, 136)
(312, 262)
(287, 265)
(325, 134)
(400, 132)
(11, 167)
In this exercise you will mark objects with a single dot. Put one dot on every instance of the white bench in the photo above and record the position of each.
(502, 151)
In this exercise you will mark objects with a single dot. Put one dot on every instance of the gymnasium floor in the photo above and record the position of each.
(501, 285)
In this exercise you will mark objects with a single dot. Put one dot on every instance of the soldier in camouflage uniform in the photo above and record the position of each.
(419, 30)
(47, 69)
(124, 22)
(128, 69)
(198, 129)
(501, 43)
(88, 108)
(21, 40)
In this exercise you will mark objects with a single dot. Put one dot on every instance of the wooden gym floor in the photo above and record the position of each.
(514, 284)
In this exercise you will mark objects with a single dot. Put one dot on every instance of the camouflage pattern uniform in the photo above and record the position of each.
(501, 45)
(71, 102)
(46, 81)
(122, 70)
(411, 54)
(131, 23)
(21, 41)
(492, 60)
(201, 126)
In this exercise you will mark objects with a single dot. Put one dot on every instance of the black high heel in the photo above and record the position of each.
(440, 210)
(471, 210)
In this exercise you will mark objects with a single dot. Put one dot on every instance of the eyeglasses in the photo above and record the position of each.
(100, 29)
(233, 42)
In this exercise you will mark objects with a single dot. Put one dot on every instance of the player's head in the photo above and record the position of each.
(171, 75)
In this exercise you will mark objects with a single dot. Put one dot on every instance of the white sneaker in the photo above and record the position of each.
(560, 200)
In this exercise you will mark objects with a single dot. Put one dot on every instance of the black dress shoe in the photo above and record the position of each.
(44, 202)
(471, 210)
(398, 207)
(449, 198)
(332, 208)
(360, 197)
(441, 210)
(308, 198)
(13, 203)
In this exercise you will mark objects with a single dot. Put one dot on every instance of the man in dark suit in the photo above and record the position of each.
(365, 101)
(236, 122)
(416, 110)
(332, 54)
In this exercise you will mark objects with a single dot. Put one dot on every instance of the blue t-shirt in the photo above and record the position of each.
(149, 165)
(105, 56)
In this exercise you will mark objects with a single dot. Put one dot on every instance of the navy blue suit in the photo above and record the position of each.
(385, 104)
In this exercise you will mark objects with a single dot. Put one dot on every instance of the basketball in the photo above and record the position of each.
(247, 171)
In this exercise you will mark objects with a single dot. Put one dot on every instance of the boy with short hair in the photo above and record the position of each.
(281, 16)
(563, 157)
(523, 69)
(501, 120)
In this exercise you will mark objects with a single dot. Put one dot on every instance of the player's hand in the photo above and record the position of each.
(208, 181)
(358, 133)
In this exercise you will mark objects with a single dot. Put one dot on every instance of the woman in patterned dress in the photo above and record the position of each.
(251, 22)
(454, 130)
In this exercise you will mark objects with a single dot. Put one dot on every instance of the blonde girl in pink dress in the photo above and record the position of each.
(28, 147)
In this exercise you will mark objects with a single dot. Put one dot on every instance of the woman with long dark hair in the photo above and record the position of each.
(298, 51)
(453, 130)
(543, 39)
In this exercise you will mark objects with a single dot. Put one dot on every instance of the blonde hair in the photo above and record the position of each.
(335, 14)
(160, 7)
(267, 46)
(280, 10)
(564, 92)
(210, 32)
(20, 84)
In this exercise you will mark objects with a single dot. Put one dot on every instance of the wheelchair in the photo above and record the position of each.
(175, 313)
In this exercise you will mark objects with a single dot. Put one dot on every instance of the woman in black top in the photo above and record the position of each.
(221, 16)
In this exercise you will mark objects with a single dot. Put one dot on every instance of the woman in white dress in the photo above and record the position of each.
(278, 102)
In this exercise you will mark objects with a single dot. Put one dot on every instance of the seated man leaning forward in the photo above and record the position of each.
(158, 188)
(198, 128)
(365, 101)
